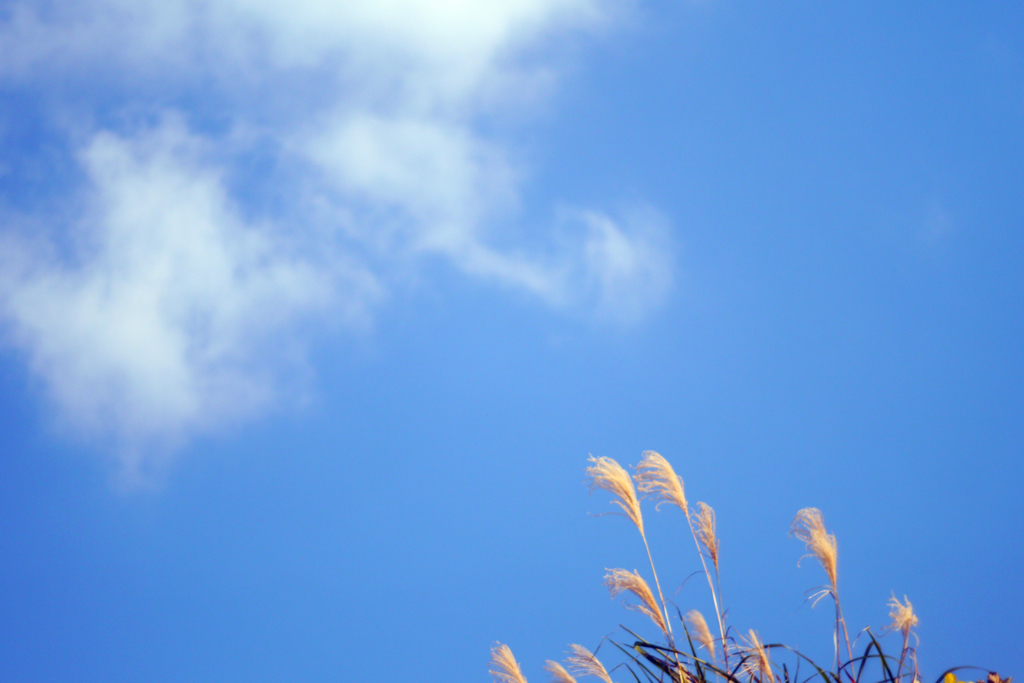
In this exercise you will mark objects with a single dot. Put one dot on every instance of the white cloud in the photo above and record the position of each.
(630, 267)
(153, 324)
(436, 51)
(156, 326)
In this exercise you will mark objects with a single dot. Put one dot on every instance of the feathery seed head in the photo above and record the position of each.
(700, 630)
(619, 580)
(756, 664)
(656, 478)
(809, 527)
(582, 662)
(506, 668)
(558, 673)
(903, 617)
(607, 474)
(705, 518)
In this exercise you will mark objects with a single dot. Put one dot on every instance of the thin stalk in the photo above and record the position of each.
(841, 621)
(718, 583)
(903, 658)
(903, 655)
(707, 574)
(664, 606)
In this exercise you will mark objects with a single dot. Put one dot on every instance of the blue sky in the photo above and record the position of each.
(311, 314)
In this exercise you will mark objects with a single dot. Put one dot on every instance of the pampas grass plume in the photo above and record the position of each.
(607, 474)
(809, 527)
(506, 668)
(582, 662)
(700, 630)
(558, 673)
(656, 478)
(705, 517)
(619, 580)
(760, 668)
(903, 617)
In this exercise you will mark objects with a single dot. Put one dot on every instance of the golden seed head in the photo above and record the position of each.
(756, 664)
(700, 631)
(506, 668)
(656, 478)
(607, 474)
(903, 617)
(705, 523)
(582, 662)
(558, 673)
(619, 580)
(809, 527)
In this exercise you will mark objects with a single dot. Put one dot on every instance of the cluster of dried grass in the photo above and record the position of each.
(726, 657)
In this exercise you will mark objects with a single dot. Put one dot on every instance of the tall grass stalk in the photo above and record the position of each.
(658, 480)
(651, 662)
(809, 527)
(609, 475)
(903, 620)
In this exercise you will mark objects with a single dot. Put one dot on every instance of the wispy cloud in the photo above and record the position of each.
(156, 325)
(149, 314)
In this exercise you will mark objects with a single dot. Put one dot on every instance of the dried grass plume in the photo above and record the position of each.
(506, 668)
(619, 580)
(809, 527)
(558, 673)
(607, 474)
(700, 630)
(756, 664)
(705, 518)
(582, 662)
(903, 617)
(656, 478)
